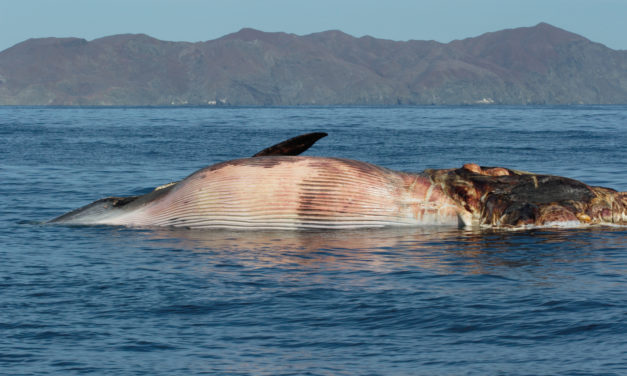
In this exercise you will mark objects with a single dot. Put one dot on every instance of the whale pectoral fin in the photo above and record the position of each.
(293, 146)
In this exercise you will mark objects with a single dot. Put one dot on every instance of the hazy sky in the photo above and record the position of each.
(603, 21)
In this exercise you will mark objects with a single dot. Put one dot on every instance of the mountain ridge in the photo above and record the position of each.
(541, 64)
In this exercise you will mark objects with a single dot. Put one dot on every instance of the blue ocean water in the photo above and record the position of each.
(422, 301)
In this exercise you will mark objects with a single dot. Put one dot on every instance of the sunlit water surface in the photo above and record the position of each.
(425, 301)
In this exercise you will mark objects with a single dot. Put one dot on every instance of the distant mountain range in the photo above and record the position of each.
(532, 65)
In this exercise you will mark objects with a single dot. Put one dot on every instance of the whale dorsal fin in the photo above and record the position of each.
(293, 146)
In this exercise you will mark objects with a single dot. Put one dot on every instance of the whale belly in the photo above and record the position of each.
(294, 193)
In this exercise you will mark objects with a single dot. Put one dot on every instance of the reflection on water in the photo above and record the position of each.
(438, 250)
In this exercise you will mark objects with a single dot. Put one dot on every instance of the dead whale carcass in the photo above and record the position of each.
(276, 189)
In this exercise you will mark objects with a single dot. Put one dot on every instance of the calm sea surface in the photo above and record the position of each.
(423, 301)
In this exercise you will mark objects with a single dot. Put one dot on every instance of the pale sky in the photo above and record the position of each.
(603, 21)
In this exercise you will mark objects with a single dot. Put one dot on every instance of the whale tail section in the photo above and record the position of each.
(95, 212)
(102, 210)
